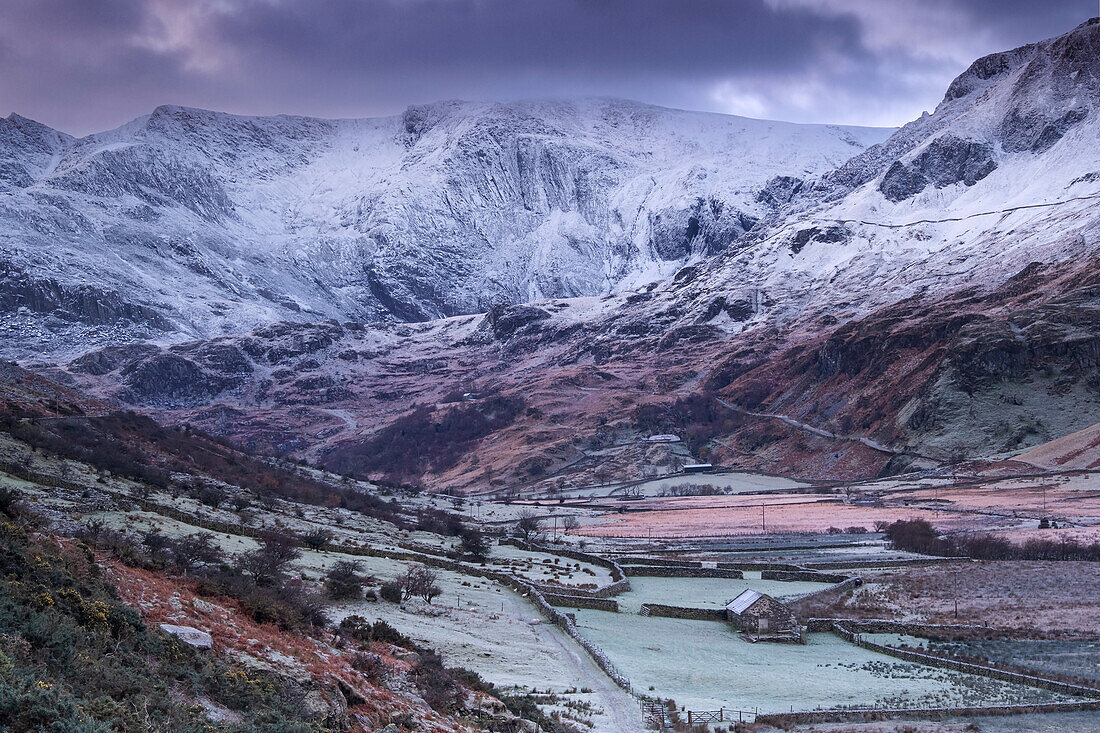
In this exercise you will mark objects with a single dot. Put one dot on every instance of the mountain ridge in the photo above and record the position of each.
(448, 208)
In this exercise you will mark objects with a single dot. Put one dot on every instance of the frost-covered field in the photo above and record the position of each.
(545, 568)
(1077, 658)
(733, 483)
(705, 665)
(497, 633)
(704, 592)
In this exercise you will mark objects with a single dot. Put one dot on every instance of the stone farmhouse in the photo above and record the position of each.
(759, 615)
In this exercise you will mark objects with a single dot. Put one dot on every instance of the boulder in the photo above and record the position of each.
(189, 635)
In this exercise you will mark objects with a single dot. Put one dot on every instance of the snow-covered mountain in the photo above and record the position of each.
(1004, 173)
(936, 296)
(196, 223)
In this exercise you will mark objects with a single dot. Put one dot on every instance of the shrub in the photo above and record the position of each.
(194, 551)
(371, 665)
(8, 498)
(391, 591)
(267, 564)
(289, 604)
(344, 581)
(211, 496)
(914, 535)
(474, 544)
(317, 539)
(439, 689)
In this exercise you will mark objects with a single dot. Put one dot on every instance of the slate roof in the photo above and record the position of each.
(741, 603)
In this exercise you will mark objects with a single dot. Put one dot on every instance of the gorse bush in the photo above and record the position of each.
(391, 591)
(75, 659)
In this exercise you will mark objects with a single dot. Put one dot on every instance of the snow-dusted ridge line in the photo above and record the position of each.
(447, 209)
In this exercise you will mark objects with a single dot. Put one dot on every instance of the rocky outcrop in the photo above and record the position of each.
(826, 235)
(505, 320)
(779, 191)
(171, 380)
(107, 360)
(75, 303)
(947, 160)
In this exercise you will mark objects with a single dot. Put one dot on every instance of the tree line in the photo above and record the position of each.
(918, 535)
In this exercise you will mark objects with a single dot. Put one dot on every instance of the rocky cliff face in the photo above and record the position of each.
(449, 208)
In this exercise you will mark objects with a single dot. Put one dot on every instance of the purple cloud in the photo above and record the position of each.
(83, 66)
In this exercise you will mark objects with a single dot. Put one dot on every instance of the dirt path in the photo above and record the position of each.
(348, 419)
(869, 442)
(621, 713)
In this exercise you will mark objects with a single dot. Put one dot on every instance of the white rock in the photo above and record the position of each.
(189, 635)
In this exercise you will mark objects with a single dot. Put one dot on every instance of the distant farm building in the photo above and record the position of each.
(698, 468)
(758, 614)
(663, 438)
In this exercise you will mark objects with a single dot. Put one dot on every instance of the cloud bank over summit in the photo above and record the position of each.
(81, 67)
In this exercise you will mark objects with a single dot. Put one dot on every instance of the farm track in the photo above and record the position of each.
(621, 708)
(821, 432)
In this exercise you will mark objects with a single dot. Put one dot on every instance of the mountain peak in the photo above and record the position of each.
(1075, 51)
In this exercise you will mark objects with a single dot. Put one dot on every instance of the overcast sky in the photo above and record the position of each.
(88, 65)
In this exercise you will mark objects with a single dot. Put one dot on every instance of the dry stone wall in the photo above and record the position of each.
(755, 566)
(695, 614)
(660, 561)
(664, 571)
(599, 604)
(786, 720)
(933, 660)
(811, 576)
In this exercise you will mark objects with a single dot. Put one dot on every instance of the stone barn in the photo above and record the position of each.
(758, 614)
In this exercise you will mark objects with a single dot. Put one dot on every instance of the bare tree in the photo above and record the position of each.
(569, 523)
(267, 564)
(420, 582)
(194, 550)
(529, 525)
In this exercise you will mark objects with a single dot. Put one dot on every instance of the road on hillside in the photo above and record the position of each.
(622, 714)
